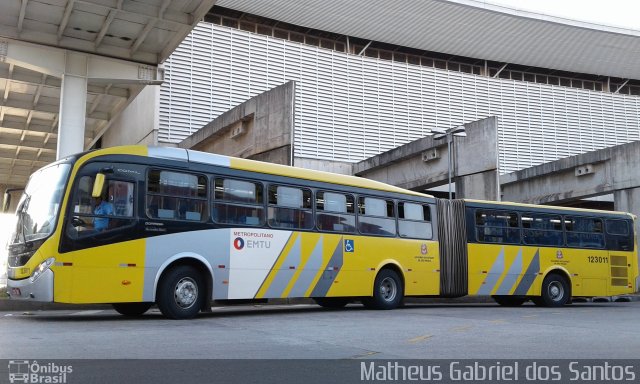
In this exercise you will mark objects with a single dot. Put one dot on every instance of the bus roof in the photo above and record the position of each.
(549, 207)
(188, 155)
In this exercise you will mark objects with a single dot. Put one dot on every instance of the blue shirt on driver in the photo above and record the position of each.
(102, 223)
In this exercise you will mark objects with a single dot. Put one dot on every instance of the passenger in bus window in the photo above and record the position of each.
(102, 208)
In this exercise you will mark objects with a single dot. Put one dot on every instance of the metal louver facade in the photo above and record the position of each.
(349, 107)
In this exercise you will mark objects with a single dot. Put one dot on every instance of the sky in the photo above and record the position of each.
(617, 13)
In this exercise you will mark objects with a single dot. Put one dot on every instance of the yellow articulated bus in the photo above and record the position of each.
(133, 226)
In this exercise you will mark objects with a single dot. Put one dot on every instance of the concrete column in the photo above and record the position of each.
(628, 200)
(481, 186)
(73, 101)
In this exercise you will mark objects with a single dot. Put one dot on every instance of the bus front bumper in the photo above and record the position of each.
(39, 290)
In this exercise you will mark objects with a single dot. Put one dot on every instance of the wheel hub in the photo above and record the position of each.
(186, 292)
(388, 289)
(556, 291)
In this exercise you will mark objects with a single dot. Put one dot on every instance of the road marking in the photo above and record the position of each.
(419, 338)
(463, 328)
(529, 316)
(497, 321)
(89, 312)
(370, 353)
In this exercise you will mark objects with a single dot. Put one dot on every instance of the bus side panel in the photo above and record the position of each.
(320, 265)
(209, 247)
(111, 273)
(417, 260)
(588, 269)
(496, 269)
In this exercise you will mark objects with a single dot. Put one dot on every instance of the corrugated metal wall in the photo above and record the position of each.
(351, 107)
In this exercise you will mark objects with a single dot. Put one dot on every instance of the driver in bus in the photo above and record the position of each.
(102, 208)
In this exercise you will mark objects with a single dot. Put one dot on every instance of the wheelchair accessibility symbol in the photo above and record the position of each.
(349, 245)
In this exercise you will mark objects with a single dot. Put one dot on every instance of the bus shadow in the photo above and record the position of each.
(266, 310)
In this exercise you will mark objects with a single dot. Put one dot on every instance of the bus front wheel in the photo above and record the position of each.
(556, 291)
(181, 292)
(388, 291)
(131, 309)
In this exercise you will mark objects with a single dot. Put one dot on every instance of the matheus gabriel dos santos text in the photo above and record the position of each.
(498, 371)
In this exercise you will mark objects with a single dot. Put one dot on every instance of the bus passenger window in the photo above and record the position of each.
(238, 202)
(176, 196)
(289, 207)
(541, 229)
(376, 216)
(335, 212)
(414, 220)
(584, 232)
(497, 227)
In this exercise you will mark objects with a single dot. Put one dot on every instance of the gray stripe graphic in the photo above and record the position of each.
(306, 276)
(512, 275)
(327, 278)
(493, 276)
(529, 276)
(284, 275)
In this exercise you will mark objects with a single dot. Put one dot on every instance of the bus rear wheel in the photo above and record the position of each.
(509, 301)
(388, 291)
(181, 293)
(331, 302)
(131, 309)
(556, 291)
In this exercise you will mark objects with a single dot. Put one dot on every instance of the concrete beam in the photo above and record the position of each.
(423, 163)
(100, 69)
(259, 128)
(590, 174)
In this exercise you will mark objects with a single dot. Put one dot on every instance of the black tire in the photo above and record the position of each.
(509, 301)
(388, 291)
(556, 291)
(331, 302)
(132, 309)
(181, 292)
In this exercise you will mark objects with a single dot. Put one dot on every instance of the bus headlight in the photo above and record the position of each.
(40, 269)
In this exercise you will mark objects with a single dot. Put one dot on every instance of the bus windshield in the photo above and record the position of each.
(40, 204)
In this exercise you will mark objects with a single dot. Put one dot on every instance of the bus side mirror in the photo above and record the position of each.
(6, 202)
(98, 185)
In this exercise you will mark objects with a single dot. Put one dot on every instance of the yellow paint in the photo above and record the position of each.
(98, 274)
(419, 338)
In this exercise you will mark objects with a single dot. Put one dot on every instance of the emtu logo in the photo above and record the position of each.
(238, 243)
